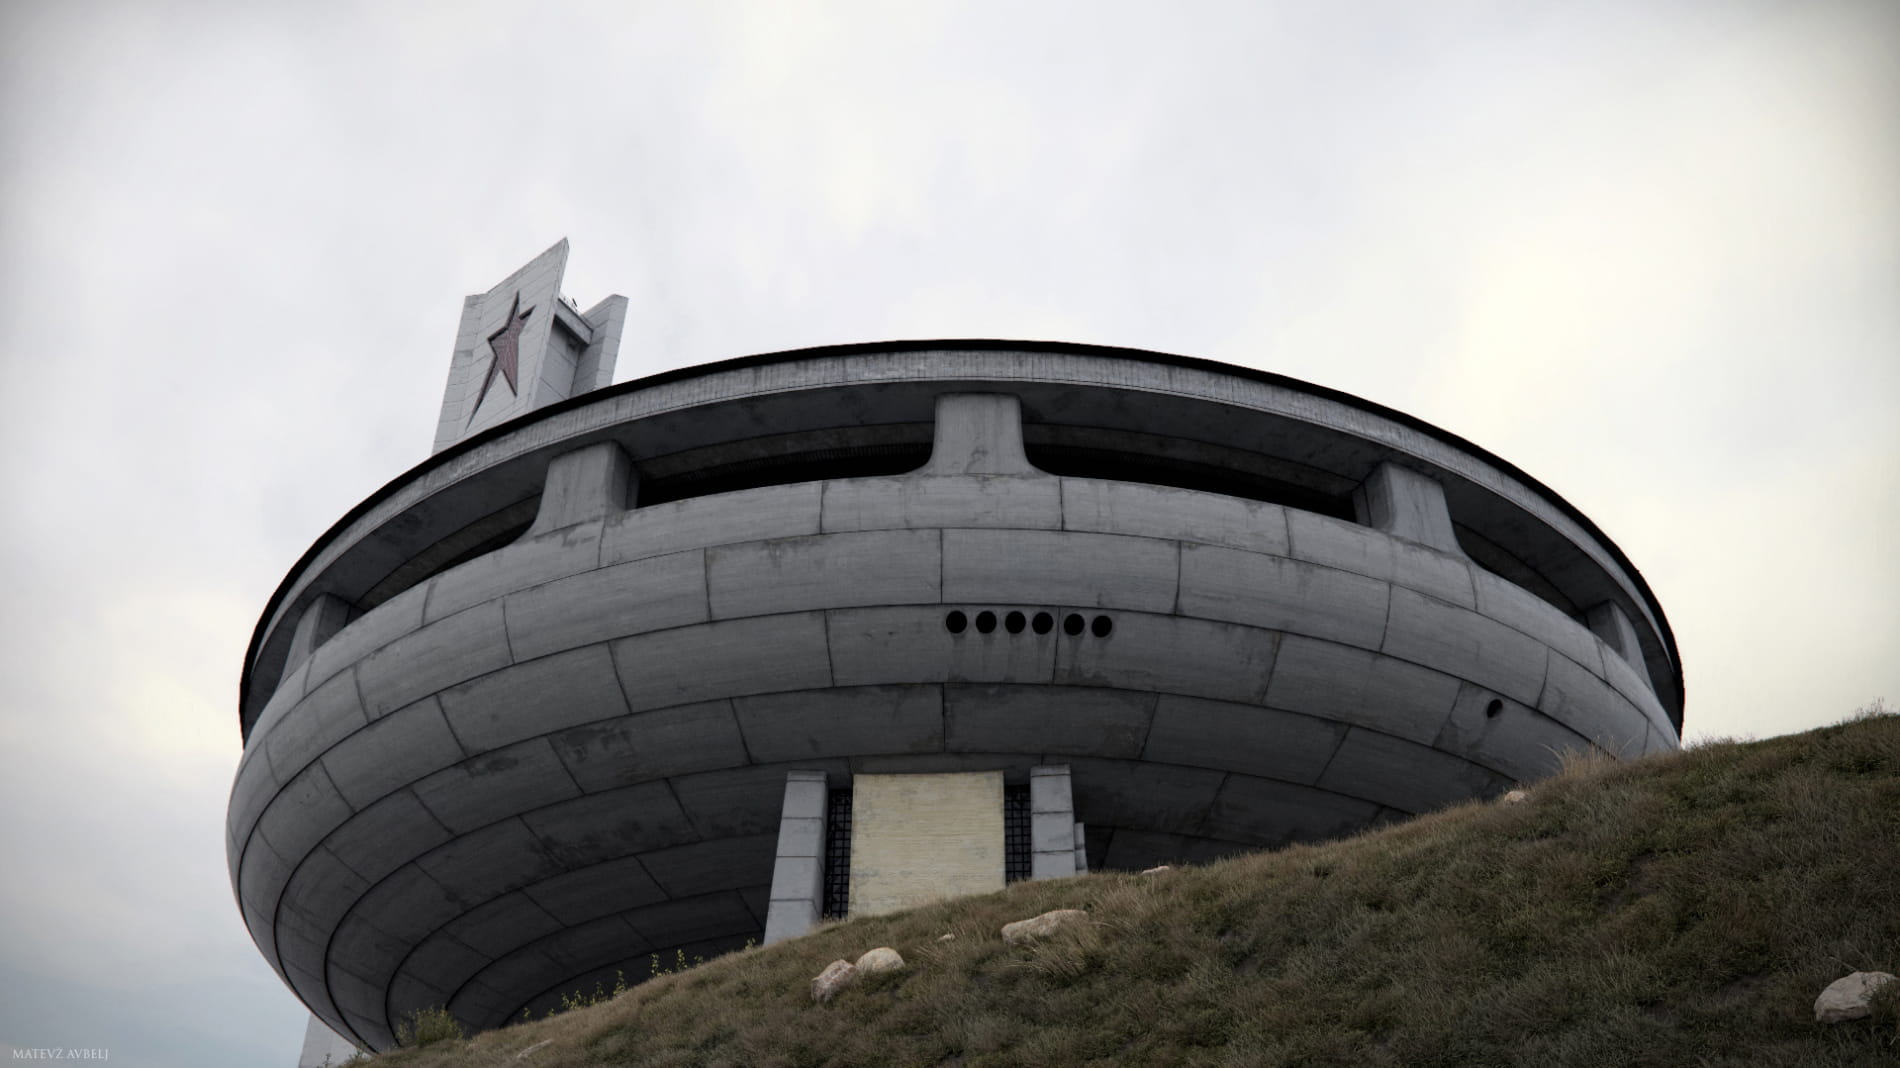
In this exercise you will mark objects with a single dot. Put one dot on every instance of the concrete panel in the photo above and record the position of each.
(535, 698)
(590, 483)
(1281, 594)
(721, 519)
(1518, 607)
(321, 619)
(706, 867)
(1229, 736)
(879, 646)
(463, 646)
(1154, 797)
(633, 598)
(302, 813)
(496, 785)
(651, 745)
(386, 835)
(262, 875)
(1405, 504)
(360, 947)
(1609, 623)
(394, 618)
(604, 826)
(409, 907)
(825, 571)
(1263, 812)
(329, 714)
(524, 564)
(360, 1000)
(502, 925)
(289, 691)
(1010, 567)
(978, 434)
(731, 658)
(1336, 543)
(252, 789)
(797, 889)
(1014, 765)
(1591, 707)
(1515, 741)
(494, 860)
(1633, 684)
(409, 994)
(676, 923)
(1177, 514)
(322, 1047)
(1052, 826)
(1171, 655)
(1355, 686)
(1465, 644)
(1046, 719)
(321, 892)
(842, 722)
(931, 503)
(444, 962)
(1401, 774)
(742, 801)
(590, 945)
(392, 752)
(596, 890)
(922, 838)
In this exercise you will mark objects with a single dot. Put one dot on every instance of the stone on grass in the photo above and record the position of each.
(1036, 927)
(1158, 870)
(836, 976)
(947, 938)
(1849, 998)
(1516, 797)
(881, 959)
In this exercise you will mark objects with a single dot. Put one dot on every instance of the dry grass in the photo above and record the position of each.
(1680, 910)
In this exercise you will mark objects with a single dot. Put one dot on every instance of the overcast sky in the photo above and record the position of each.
(1648, 251)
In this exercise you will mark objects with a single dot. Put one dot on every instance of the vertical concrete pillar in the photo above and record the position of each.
(1051, 822)
(1608, 622)
(324, 1048)
(798, 873)
(1081, 851)
(1406, 504)
(585, 484)
(320, 621)
(978, 434)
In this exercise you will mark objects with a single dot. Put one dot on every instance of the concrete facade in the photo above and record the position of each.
(534, 710)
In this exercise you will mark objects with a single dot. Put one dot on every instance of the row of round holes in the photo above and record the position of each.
(956, 622)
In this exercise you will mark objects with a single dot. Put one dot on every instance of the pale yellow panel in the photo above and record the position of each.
(921, 838)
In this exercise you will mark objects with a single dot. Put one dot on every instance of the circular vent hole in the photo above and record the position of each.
(1102, 626)
(1073, 625)
(955, 622)
(1014, 622)
(1043, 623)
(986, 621)
(1491, 710)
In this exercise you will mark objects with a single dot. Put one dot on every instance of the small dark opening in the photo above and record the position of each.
(1014, 622)
(837, 854)
(1016, 842)
(1102, 626)
(1491, 710)
(1044, 623)
(955, 622)
(986, 621)
(1073, 625)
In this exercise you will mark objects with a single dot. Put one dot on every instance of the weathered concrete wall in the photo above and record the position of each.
(561, 756)
(921, 838)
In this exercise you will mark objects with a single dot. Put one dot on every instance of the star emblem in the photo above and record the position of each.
(506, 345)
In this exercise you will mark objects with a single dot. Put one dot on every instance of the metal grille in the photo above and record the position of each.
(837, 854)
(1015, 833)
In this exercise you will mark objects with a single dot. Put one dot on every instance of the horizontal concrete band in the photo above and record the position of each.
(673, 686)
(491, 475)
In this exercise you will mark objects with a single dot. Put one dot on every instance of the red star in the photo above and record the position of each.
(504, 342)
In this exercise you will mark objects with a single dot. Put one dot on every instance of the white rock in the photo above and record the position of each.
(1849, 998)
(836, 976)
(1042, 926)
(1516, 797)
(947, 938)
(881, 959)
(1158, 870)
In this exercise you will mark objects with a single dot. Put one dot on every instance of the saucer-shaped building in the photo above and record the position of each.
(695, 659)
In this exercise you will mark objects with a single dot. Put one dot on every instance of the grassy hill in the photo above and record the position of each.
(1679, 910)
